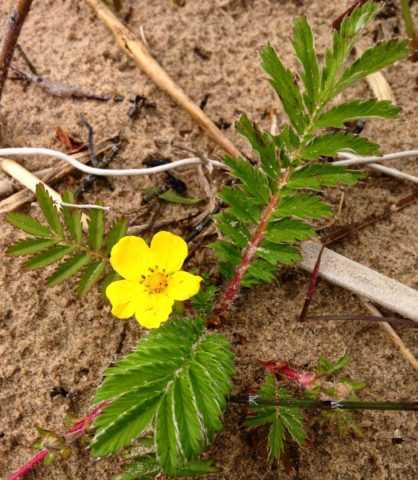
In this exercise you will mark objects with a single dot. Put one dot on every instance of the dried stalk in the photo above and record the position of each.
(406, 353)
(133, 46)
(14, 26)
(58, 89)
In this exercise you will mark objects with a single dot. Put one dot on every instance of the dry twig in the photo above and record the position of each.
(58, 89)
(14, 26)
(406, 353)
(133, 46)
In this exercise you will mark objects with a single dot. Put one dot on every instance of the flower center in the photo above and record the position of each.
(156, 282)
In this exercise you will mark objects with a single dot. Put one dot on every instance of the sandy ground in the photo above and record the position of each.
(50, 342)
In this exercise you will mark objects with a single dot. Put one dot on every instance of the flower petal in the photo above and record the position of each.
(131, 257)
(124, 297)
(183, 285)
(170, 251)
(153, 310)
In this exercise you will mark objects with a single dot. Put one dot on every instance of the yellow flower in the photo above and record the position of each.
(152, 278)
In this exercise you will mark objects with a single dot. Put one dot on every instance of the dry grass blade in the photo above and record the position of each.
(135, 48)
(406, 353)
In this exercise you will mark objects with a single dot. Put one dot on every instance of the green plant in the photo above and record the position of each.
(57, 240)
(410, 27)
(287, 421)
(175, 385)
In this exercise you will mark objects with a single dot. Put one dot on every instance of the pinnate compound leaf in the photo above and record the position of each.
(72, 217)
(69, 268)
(286, 88)
(49, 209)
(49, 256)
(281, 419)
(329, 144)
(357, 109)
(177, 388)
(28, 224)
(29, 246)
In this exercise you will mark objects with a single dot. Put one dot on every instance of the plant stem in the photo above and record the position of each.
(409, 23)
(326, 404)
(77, 430)
(14, 26)
(231, 290)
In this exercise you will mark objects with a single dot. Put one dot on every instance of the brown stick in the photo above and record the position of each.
(131, 45)
(58, 89)
(396, 339)
(13, 28)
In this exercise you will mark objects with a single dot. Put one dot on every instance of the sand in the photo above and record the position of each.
(54, 348)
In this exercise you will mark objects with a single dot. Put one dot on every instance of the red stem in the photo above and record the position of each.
(30, 465)
(14, 26)
(231, 290)
(78, 429)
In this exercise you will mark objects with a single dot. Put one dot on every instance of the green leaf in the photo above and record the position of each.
(172, 196)
(286, 88)
(195, 468)
(343, 42)
(30, 246)
(329, 144)
(303, 43)
(69, 268)
(275, 253)
(263, 143)
(253, 180)
(259, 271)
(118, 230)
(72, 217)
(204, 300)
(288, 231)
(49, 256)
(323, 175)
(242, 207)
(177, 388)
(145, 467)
(372, 60)
(91, 275)
(302, 206)
(281, 419)
(346, 112)
(96, 228)
(327, 367)
(49, 209)
(28, 224)
(232, 228)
